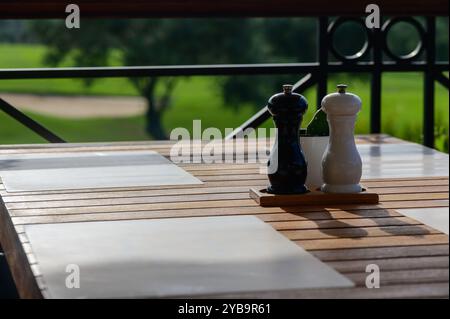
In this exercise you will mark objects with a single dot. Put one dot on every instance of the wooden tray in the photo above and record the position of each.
(317, 198)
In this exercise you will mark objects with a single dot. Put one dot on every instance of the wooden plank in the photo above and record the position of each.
(171, 209)
(417, 204)
(344, 223)
(414, 276)
(206, 188)
(384, 241)
(187, 191)
(327, 215)
(427, 290)
(118, 189)
(409, 263)
(420, 196)
(275, 214)
(207, 196)
(410, 189)
(17, 258)
(128, 200)
(404, 183)
(351, 254)
(359, 232)
(125, 194)
(210, 197)
(131, 207)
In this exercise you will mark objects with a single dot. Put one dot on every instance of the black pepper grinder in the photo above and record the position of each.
(287, 168)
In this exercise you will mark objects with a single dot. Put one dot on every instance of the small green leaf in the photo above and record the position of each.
(318, 125)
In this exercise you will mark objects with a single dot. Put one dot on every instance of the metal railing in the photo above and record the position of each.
(316, 73)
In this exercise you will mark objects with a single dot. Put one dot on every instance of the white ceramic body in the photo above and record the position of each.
(314, 148)
(342, 164)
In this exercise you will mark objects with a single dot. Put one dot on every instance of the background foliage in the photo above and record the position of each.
(218, 101)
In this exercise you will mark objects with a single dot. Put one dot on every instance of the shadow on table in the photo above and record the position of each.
(347, 227)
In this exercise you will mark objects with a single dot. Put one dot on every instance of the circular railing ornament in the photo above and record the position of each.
(387, 26)
(359, 54)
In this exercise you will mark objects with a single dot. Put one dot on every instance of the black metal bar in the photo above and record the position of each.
(428, 114)
(442, 79)
(263, 115)
(29, 122)
(225, 69)
(375, 97)
(322, 57)
(256, 120)
(304, 83)
(169, 70)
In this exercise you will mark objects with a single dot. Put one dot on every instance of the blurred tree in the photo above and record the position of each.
(279, 40)
(293, 39)
(152, 42)
(14, 31)
(442, 38)
(207, 41)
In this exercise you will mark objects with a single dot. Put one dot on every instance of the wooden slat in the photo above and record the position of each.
(187, 191)
(266, 215)
(343, 223)
(352, 254)
(212, 205)
(433, 290)
(415, 276)
(392, 183)
(195, 194)
(191, 198)
(359, 232)
(215, 207)
(384, 241)
(359, 266)
(17, 259)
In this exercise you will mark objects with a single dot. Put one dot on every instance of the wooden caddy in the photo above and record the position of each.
(316, 198)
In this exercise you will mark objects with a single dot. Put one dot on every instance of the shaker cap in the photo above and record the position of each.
(287, 102)
(341, 102)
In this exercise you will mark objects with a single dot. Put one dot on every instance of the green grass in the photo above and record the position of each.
(85, 130)
(200, 98)
(26, 56)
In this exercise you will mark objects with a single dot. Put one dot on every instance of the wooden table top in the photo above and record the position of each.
(413, 257)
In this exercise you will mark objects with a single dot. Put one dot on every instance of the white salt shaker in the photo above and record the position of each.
(341, 163)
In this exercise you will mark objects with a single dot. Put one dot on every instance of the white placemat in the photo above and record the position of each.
(63, 171)
(402, 160)
(174, 257)
(438, 217)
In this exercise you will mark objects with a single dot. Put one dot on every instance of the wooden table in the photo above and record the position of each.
(413, 257)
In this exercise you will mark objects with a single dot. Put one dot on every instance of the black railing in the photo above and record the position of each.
(375, 47)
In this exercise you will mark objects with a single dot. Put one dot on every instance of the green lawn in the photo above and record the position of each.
(200, 98)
